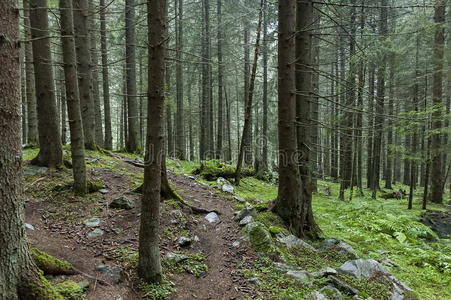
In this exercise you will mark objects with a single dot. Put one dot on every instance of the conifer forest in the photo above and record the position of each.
(225, 149)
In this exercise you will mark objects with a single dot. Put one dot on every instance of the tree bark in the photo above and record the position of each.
(32, 120)
(50, 152)
(379, 109)
(248, 107)
(149, 263)
(133, 139)
(84, 68)
(19, 276)
(264, 161)
(95, 77)
(106, 84)
(437, 94)
(180, 140)
(220, 122)
(73, 97)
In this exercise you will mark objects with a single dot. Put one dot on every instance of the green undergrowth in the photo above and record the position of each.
(70, 290)
(422, 258)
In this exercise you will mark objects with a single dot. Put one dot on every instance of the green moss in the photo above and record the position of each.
(70, 290)
(51, 265)
(194, 264)
(157, 291)
(38, 289)
(213, 169)
(276, 230)
(94, 186)
(376, 287)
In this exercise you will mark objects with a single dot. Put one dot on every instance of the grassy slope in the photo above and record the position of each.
(369, 225)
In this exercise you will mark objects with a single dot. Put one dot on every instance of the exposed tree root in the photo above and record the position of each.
(51, 265)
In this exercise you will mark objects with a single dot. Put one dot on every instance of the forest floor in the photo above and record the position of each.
(217, 263)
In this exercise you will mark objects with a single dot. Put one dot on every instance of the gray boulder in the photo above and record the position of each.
(121, 203)
(339, 246)
(284, 268)
(291, 241)
(246, 220)
(212, 217)
(324, 272)
(115, 273)
(35, 170)
(259, 237)
(92, 222)
(96, 233)
(248, 210)
(367, 268)
(362, 268)
(176, 257)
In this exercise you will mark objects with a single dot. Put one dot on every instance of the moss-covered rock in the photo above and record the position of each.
(213, 169)
(93, 186)
(35, 286)
(51, 265)
(70, 290)
(260, 238)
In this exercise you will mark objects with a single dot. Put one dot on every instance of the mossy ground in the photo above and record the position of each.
(368, 225)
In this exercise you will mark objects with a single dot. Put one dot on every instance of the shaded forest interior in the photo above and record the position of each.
(309, 139)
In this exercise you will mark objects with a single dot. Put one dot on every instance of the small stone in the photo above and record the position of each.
(283, 268)
(246, 220)
(388, 262)
(259, 201)
(249, 210)
(84, 284)
(114, 272)
(236, 244)
(239, 199)
(191, 177)
(324, 272)
(29, 226)
(92, 222)
(254, 280)
(228, 188)
(362, 268)
(196, 239)
(212, 217)
(184, 241)
(381, 251)
(298, 274)
(339, 246)
(176, 257)
(291, 241)
(121, 203)
(103, 191)
(96, 233)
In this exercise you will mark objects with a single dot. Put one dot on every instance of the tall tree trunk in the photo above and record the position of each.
(205, 142)
(19, 276)
(289, 204)
(248, 157)
(264, 161)
(105, 82)
(390, 111)
(95, 77)
(371, 118)
(180, 140)
(220, 126)
(348, 115)
(50, 151)
(133, 139)
(149, 264)
(63, 108)
(32, 120)
(73, 97)
(84, 68)
(248, 107)
(304, 91)
(437, 94)
(379, 109)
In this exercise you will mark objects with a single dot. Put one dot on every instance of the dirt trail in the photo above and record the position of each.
(68, 241)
